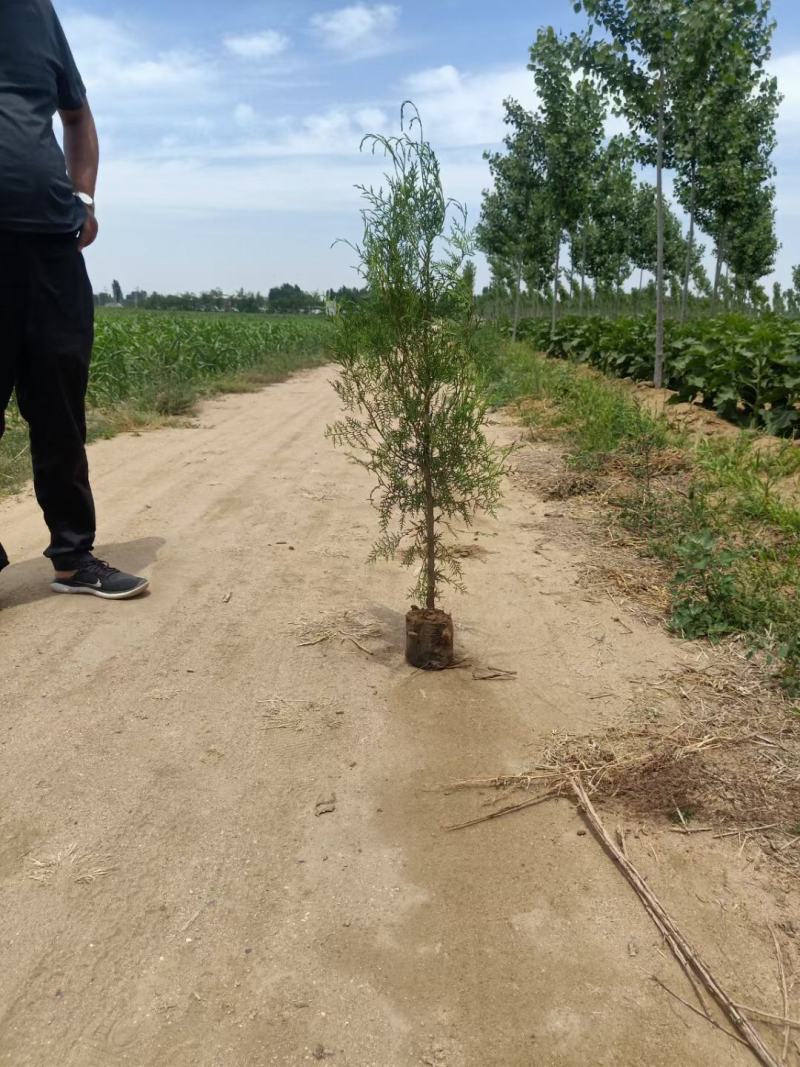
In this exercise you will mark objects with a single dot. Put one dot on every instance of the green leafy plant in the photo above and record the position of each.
(408, 380)
(703, 587)
(748, 370)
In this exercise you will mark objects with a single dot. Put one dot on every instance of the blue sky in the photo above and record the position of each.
(230, 132)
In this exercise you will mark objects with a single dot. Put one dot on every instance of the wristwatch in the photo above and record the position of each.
(85, 199)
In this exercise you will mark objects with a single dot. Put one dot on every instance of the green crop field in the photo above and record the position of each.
(161, 361)
(152, 365)
(746, 369)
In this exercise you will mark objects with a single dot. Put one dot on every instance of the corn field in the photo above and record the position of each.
(154, 359)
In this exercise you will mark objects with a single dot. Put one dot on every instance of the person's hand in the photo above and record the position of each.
(88, 231)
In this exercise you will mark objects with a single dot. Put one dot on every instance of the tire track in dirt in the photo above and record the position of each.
(169, 897)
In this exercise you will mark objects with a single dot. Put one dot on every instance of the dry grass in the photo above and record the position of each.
(344, 627)
(81, 868)
(570, 484)
(727, 762)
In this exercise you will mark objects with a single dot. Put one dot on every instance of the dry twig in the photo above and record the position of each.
(678, 944)
(784, 991)
(703, 1015)
(769, 1017)
(506, 811)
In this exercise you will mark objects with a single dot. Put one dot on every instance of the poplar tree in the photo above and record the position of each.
(722, 98)
(644, 252)
(516, 226)
(609, 237)
(637, 62)
(571, 118)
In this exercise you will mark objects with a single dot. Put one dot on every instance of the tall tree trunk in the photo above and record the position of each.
(658, 376)
(718, 272)
(516, 301)
(728, 301)
(689, 252)
(583, 268)
(555, 287)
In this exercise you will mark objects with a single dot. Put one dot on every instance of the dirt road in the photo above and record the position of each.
(221, 818)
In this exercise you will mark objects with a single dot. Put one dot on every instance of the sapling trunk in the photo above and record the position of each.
(430, 527)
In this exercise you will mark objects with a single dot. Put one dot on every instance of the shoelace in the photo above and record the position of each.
(100, 568)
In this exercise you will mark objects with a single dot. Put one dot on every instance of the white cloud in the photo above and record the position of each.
(462, 109)
(335, 133)
(437, 79)
(197, 187)
(111, 60)
(786, 69)
(257, 45)
(360, 30)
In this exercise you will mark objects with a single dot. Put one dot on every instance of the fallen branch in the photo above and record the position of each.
(502, 782)
(507, 810)
(769, 1017)
(691, 1007)
(746, 830)
(693, 829)
(349, 637)
(678, 944)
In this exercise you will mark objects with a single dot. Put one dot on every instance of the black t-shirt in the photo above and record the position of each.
(38, 76)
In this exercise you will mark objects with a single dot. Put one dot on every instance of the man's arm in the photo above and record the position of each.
(82, 153)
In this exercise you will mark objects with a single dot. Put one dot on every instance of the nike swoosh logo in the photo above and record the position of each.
(95, 585)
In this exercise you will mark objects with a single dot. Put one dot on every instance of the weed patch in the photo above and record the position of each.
(722, 514)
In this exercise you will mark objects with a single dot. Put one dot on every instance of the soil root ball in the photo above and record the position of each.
(429, 639)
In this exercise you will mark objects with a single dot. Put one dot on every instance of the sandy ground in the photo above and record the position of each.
(222, 844)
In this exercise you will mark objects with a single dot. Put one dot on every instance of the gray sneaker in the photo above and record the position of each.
(97, 578)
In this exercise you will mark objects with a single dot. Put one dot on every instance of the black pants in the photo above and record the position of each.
(46, 335)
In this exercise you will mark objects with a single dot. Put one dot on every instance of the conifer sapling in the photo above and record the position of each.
(415, 406)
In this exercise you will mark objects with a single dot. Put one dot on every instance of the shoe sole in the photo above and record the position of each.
(129, 594)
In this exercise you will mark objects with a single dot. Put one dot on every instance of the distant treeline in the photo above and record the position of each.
(283, 299)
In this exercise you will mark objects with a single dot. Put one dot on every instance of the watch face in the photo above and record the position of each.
(85, 199)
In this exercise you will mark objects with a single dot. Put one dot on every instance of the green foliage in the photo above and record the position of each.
(746, 369)
(600, 416)
(161, 361)
(150, 364)
(516, 230)
(289, 299)
(723, 129)
(691, 79)
(728, 525)
(284, 299)
(15, 464)
(703, 588)
(414, 398)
